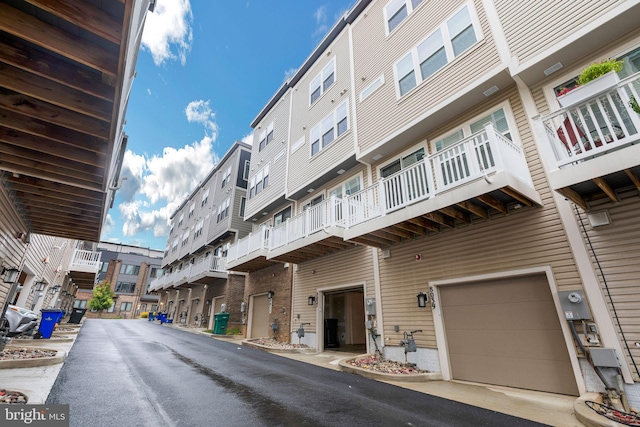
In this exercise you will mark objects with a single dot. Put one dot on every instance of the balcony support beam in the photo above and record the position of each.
(573, 196)
(456, 214)
(398, 231)
(425, 223)
(493, 202)
(474, 209)
(383, 234)
(515, 195)
(604, 186)
(411, 228)
(437, 217)
(633, 178)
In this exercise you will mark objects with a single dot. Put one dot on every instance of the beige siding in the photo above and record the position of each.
(352, 267)
(237, 223)
(617, 252)
(382, 113)
(304, 117)
(279, 116)
(531, 237)
(545, 26)
(11, 249)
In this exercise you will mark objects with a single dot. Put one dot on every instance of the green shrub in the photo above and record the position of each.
(598, 69)
(235, 331)
(633, 103)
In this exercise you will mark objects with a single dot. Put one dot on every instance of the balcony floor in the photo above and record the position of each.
(314, 246)
(250, 262)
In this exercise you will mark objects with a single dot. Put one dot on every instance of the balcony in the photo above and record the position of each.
(84, 267)
(467, 181)
(250, 252)
(594, 145)
(202, 271)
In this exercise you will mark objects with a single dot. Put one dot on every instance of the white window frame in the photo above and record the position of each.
(360, 177)
(410, 10)
(402, 155)
(298, 144)
(223, 209)
(245, 171)
(191, 209)
(266, 136)
(321, 131)
(226, 177)
(185, 238)
(259, 181)
(205, 197)
(243, 207)
(372, 87)
(319, 79)
(181, 219)
(448, 47)
(199, 227)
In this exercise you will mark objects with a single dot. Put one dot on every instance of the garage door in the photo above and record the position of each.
(260, 316)
(506, 332)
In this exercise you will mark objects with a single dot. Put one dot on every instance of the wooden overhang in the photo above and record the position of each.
(252, 264)
(84, 280)
(62, 68)
(317, 249)
(479, 208)
(602, 187)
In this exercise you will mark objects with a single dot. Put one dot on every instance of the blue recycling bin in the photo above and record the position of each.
(50, 316)
(162, 317)
(150, 316)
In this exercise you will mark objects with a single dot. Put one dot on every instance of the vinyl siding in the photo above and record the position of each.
(530, 237)
(279, 116)
(12, 248)
(304, 117)
(545, 26)
(238, 223)
(351, 267)
(382, 113)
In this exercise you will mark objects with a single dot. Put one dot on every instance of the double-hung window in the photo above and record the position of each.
(266, 136)
(347, 188)
(322, 81)
(247, 168)
(223, 209)
(191, 209)
(498, 118)
(443, 45)
(205, 197)
(199, 227)
(226, 177)
(259, 181)
(282, 216)
(397, 10)
(181, 219)
(402, 163)
(330, 128)
(185, 238)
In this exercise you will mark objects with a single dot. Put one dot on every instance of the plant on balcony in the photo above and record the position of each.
(596, 78)
(633, 103)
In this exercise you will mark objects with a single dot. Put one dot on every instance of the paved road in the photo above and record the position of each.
(135, 373)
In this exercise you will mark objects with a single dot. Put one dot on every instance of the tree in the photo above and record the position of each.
(102, 297)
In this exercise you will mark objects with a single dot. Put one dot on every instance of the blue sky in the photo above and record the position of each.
(205, 70)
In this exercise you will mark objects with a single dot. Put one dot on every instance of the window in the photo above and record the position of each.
(330, 128)
(125, 287)
(199, 227)
(125, 306)
(372, 87)
(191, 209)
(129, 269)
(282, 216)
(154, 307)
(205, 197)
(181, 219)
(112, 308)
(266, 136)
(498, 118)
(247, 168)
(259, 181)
(156, 272)
(442, 46)
(143, 308)
(347, 188)
(104, 265)
(322, 81)
(243, 204)
(174, 247)
(397, 10)
(185, 238)
(80, 303)
(226, 177)
(315, 201)
(402, 163)
(223, 209)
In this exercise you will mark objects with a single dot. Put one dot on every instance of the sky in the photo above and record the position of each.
(205, 70)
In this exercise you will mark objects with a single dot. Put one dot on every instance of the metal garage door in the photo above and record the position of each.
(506, 332)
(260, 316)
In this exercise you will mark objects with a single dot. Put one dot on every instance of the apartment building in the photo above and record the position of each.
(195, 282)
(65, 85)
(411, 176)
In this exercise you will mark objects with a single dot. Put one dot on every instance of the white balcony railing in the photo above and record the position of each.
(208, 264)
(85, 261)
(596, 126)
(258, 239)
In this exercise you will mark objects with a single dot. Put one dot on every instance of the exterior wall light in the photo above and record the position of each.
(423, 299)
(270, 294)
(40, 286)
(311, 300)
(11, 274)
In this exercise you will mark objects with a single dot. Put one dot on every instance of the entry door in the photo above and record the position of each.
(260, 317)
(507, 332)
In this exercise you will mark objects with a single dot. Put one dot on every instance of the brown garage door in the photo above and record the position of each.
(260, 316)
(506, 332)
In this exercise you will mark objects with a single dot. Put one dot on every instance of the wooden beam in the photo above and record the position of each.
(48, 186)
(425, 223)
(14, 79)
(573, 196)
(392, 238)
(54, 39)
(373, 238)
(79, 220)
(411, 228)
(515, 195)
(364, 240)
(456, 214)
(38, 221)
(399, 231)
(57, 209)
(440, 219)
(23, 56)
(604, 186)
(45, 172)
(474, 209)
(56, 203)
(633, 178)
(489, 200)
(84, 15)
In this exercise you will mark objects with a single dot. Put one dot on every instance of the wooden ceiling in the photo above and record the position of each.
(61, 75)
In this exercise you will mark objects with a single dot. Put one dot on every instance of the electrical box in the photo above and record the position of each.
(574, 305)
(604, 357)
(370, 306)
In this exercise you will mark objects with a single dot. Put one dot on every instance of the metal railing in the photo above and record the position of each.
(258, 239)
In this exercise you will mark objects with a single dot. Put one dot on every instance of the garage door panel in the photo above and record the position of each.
(507, 371)
(521, 316)
(497, 291)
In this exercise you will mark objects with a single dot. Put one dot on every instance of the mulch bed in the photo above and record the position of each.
(375, 364)
(271, 343)
(25, 353)
(12, 397)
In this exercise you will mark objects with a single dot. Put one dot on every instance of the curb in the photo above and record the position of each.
(409, 378)
(278, 350)
(35, 362)
(27, 343)
(589, 417)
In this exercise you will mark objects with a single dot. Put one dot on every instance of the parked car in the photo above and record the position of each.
(20, 321)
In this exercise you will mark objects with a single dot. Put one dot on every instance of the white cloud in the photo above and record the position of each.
(248, 139)
(133, 168)
(167, 32)
(108, 224)
(148, 91)
(289, 73)
(320, 16)
(200, 112)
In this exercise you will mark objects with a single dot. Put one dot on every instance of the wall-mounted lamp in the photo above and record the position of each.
(311, 300)
(54, 290)
(423, 299)
(40, 286)
(208, 302)
(197, 300)
(11, 274)
(270, 294)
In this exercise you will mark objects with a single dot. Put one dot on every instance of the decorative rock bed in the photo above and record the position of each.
(30, 340)
(12, 397)
(271, 345)
(380, 369)
(27, 357)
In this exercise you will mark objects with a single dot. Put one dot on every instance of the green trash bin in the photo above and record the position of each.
(220, 321)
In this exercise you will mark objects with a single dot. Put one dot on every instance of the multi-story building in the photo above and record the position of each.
(66, 77)
(196, 284)
(129, 270)
(418, 174)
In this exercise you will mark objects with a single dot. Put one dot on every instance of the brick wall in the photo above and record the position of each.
(235, 296)
(278, 279)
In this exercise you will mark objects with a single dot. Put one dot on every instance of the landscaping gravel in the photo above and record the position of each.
(271, 343)
(12, 397)
(25, 353)
(386, 366)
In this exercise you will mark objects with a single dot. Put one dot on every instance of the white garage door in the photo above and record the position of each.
(507, 332)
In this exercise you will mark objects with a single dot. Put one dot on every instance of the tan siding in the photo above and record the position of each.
(304, 117)
(545, 26)
(237, 223)
(351, 267)
(617, 250)
(382, 113)
(11, 249)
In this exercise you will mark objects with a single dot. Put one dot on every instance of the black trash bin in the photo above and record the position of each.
(331, 333)
(76, 315)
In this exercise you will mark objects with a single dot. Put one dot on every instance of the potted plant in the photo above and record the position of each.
(593, 80)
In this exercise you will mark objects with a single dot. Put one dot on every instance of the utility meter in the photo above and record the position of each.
(370, 306)
(574, 305)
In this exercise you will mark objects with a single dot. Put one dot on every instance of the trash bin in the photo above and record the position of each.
(162, 317)
(150, 316)
(50, 316)
(76, 315)
(220, 321)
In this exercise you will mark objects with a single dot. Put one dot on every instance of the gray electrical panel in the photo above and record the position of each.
(604, 357)
(370, 306)
(574, 305)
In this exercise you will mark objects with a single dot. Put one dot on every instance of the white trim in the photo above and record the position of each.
(410, 11)
(441, 339)
(352, 76)
(378, 293)
(322, 78)
(497, 32)
(321, 304)
(387, 161)
(378, 83)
